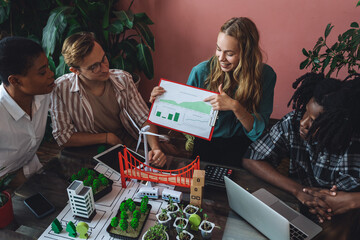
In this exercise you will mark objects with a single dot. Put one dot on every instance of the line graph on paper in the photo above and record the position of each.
(182, 108)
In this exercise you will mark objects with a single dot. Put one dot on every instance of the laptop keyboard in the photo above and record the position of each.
(296, 234)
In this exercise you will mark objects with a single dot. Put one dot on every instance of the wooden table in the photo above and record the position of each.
(52, 183)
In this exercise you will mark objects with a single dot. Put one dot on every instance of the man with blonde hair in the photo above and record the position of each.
(88, 104)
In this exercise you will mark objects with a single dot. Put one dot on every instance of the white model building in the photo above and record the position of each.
(81, 200)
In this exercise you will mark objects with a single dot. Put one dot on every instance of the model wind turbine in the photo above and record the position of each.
(142, 133)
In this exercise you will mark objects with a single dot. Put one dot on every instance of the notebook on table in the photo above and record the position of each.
(269, 214)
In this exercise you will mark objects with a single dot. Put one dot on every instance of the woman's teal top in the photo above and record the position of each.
(227, 125)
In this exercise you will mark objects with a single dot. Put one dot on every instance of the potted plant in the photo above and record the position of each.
(206, 227)
(180, 222)
(190, 209)
(125, 36)
(6, 209)
(184, 235)
(327, 59)
(172, 208)
(164, 217)
(156, 232)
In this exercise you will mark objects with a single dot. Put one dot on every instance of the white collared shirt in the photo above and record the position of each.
(20, 136)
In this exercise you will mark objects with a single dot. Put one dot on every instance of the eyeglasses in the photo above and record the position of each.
(96, 67)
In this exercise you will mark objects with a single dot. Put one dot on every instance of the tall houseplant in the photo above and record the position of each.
(327, 59)
(124, 35)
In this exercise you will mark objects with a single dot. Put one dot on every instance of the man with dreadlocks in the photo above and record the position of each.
(321, 140)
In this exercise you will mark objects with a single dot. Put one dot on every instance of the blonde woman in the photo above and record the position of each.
(246, 87)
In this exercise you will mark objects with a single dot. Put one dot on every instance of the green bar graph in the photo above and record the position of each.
(176, 118)
(171, 116)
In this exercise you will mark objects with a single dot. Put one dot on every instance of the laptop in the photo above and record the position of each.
(110, 157)
(269, 214)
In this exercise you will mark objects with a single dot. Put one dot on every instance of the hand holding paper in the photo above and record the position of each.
(182, 108)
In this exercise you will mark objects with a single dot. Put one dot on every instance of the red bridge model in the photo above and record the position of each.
(130, 167)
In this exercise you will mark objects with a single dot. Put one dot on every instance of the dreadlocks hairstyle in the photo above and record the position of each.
(244, 83)
(339, 122)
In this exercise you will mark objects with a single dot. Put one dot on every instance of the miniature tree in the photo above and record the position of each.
(124, 215)
(114, 222)
(136, 214)
(87, 182)
(70, 228)
(143, 207)
(129, 201)
(104, 181)
(91, 172)
(123, 207)
(91, 179)
(124, 224)
(82, 173)
(145, 199)
(96, 184)
(74, 177)
(56, 226)
(82, 229)
(132, 206)
(134, 223)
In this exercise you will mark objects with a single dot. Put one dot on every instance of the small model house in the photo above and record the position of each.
(81, 200)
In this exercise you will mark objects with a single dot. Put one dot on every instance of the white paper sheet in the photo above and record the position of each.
(182, 108)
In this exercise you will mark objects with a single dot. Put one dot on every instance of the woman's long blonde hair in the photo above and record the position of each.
(244, 84)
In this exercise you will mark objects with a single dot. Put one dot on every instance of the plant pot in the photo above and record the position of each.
(206, 233)
(143, 237)
(178, 228)
(191, 236)
(166, 222)
(189, 206)
(173, 213)
(6, 212)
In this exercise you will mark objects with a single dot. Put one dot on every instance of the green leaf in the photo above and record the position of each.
(358, 3)
(52, 65)
(146, 34)
(4, 13)
(142, 17)
(325, 63)
(118, 62)
(305, 52)
(54, 28)
(124, 18)
(116, 27)
(304, 63)
(316, 60)
(62, 68)
(354, 25)
(145, 59)
(328, 30)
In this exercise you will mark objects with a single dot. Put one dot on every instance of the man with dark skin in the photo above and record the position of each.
(321, 141)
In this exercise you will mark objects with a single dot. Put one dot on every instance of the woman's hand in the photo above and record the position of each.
(157, 91)
(221, 101)
(157, 158)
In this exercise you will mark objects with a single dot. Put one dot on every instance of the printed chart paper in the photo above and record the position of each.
(182, 108)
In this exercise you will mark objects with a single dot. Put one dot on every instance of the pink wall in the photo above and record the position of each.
(186, 30)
